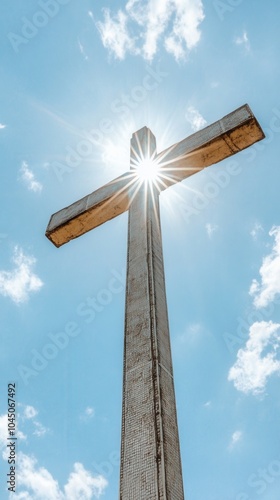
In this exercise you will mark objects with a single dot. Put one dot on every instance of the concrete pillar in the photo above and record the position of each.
(150, 453)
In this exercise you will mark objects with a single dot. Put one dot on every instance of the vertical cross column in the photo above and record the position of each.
(150, 454)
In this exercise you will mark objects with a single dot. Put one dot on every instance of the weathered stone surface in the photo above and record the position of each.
(150, 455)
(224, 138)
(91, 211)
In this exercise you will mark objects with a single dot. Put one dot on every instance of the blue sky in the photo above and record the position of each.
(77, 79)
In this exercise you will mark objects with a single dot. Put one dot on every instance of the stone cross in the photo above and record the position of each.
(150, 452)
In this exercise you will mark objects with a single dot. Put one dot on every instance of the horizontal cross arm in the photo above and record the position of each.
(226, 137)
(91, 211)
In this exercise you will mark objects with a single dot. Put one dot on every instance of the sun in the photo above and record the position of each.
(147, 170)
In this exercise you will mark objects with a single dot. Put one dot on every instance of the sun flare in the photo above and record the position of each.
(147, 170)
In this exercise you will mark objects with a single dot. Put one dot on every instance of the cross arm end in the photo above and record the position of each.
(89, 212)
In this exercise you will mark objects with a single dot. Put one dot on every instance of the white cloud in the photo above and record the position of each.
(195, 119)
(266, 290)
(257, 361)
(114, 34)
(21, 281)
(185, 34)
(89, 411)
(256, 230)
(28, 178)
(29, 412)
(211, 229)
(2, 126)
(37, 483)
(24, 495)
(235, 438)
(82, 484)
(40, 430)
(243, 40)
(140, 27)
(88, 414)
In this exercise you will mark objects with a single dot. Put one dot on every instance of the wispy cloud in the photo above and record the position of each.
(192, 333)
(30, 413)
(27, 176)
(235, 438)
(88, 414)
(37, 482)
(40, 430)
(207, 404)
(195, 119)
(2, 126)
(257, 229)
(21, 281)
(139, 28)
(257, 362)
(3, 434)
(243, 40)
(211, 229)
(21, 435)
(82, 50)
(215, 84)
(265, 290)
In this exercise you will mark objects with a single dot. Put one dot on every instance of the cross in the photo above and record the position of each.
(150, 452)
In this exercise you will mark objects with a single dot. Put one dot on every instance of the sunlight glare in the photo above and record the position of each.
(148, 170)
